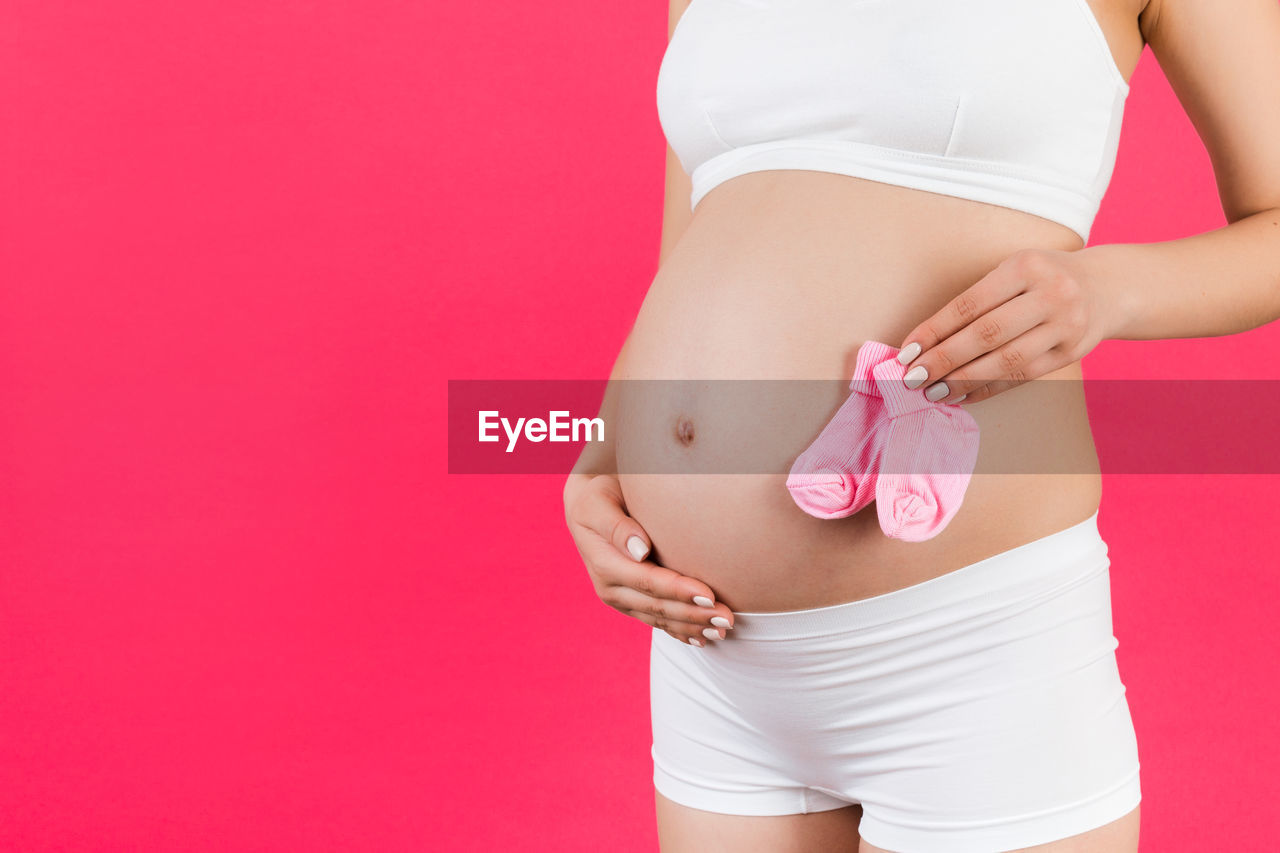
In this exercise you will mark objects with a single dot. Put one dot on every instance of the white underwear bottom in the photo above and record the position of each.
(975, 712)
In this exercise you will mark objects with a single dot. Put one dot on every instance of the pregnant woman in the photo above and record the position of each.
(921, 173)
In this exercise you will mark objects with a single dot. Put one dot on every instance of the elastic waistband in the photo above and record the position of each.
(1038, 566)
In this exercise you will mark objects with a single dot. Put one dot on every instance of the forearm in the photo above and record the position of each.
(1217, 283)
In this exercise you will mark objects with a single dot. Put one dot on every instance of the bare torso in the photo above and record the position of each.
(782, 275)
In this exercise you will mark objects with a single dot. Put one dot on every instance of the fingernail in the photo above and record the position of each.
(909, 352)
(721, 621)
(916, 376)
(958, 399)
(711, 633)
(637, 549)
(936, 392)
(703, 601)
(694, 641)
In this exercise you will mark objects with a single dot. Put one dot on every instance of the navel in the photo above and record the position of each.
(684, 430)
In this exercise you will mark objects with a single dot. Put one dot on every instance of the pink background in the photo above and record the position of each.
(243, 245)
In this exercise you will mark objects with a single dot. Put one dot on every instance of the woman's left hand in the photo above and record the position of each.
(1039, 310)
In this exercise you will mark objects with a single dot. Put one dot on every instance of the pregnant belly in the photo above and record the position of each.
(779, 278)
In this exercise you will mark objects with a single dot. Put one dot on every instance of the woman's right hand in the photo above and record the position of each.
(614, 548)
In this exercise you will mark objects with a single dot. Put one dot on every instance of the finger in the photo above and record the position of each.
(984, 335)
(1047, 364)
(989, 292)
(603, 510)
(1023, 359)
(628, 598)
(682, 631)
(611, 569)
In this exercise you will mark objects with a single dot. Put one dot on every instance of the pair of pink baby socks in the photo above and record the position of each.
(890, 444)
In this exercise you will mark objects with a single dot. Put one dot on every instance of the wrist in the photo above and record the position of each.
(1108, 269)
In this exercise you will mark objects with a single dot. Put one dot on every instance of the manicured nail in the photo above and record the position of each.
(637, 549)
(916, 376)
(958, 399)
(703, 601)
(721, 621)
(694, 641)
(908, 352)
(936, 392)
(711, 633)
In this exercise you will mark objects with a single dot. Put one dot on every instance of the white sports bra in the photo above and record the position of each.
(1011, 102)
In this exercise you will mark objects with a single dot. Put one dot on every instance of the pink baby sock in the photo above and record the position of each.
(926, 461)
(836, 475)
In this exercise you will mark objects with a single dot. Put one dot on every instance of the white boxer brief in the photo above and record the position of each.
(978, 711)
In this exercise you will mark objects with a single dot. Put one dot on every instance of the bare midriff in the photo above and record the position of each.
(782, 275)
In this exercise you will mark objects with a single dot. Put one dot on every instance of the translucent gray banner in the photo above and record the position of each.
(761, 426)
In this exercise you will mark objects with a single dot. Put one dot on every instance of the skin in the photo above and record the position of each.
(1037, 311)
